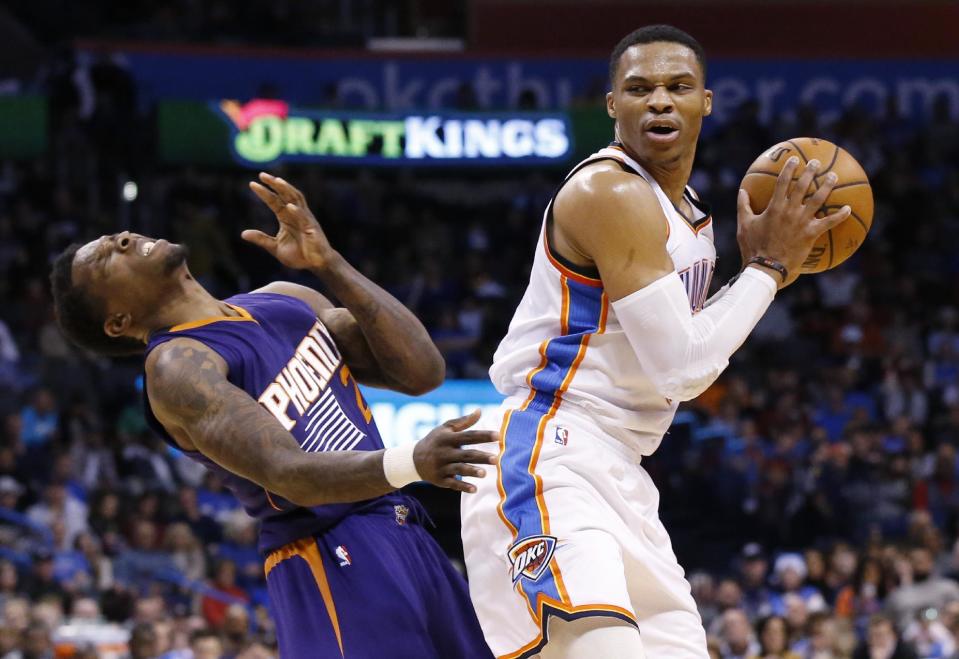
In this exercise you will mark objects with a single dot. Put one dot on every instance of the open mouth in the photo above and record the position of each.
(147, 247)
(662, 133)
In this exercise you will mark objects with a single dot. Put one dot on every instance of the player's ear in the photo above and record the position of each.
(708, 103)
(610, 105)
(117, 324)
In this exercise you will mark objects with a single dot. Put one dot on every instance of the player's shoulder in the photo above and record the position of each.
(602, 201)
(606, 184)
(175, 360)
(317, 301)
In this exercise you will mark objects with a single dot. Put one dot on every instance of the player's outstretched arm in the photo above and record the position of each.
(408, 360)
(190, 395)
(615, 220)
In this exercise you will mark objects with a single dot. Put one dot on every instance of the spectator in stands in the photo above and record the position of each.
(215, 604)
(773, 639)
(144, 564)
(754, 567)
(187, 554)
(736, 636)
(37, 643)
(206, 644)
(790, 576)
(143, 642)
(59, 504)
(926, 591)
(882, 642)
(42, 582)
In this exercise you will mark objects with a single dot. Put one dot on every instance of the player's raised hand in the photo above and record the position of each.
(299, 242)
(440, 456)
(787, 230)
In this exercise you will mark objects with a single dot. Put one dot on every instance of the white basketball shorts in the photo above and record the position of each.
(567, 525)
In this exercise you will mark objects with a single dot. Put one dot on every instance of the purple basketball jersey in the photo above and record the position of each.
(280, 353)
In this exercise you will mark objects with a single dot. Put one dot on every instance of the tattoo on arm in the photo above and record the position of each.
(189, 390)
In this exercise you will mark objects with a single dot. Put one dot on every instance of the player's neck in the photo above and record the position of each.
(672, 176)
(188, 303)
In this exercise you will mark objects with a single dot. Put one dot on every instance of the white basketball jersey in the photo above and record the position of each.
(565, 345)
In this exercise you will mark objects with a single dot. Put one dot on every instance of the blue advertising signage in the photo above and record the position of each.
(404, 84)
(265, 131)
(404, 419)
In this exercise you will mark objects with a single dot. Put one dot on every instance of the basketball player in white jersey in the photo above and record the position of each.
(565, 551)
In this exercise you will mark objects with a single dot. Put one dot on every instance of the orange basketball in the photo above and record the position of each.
(852, 189)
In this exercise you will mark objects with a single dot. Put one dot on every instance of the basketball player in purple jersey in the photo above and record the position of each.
(262, 388)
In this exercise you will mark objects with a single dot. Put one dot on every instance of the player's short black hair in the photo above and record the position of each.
(80, 312)
(652, 34)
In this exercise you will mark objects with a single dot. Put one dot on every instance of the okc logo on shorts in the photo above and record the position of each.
(530, 556)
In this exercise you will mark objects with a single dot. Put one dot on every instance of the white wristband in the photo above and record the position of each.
(398, 465)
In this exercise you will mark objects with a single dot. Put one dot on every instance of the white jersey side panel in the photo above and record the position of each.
(565, 345)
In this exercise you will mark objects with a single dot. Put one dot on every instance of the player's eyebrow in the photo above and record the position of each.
(672, 78)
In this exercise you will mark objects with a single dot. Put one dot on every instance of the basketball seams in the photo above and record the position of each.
(799, 151)
(850, 184)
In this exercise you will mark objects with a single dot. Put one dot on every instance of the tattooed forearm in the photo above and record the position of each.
(397, 340)
(189, 391)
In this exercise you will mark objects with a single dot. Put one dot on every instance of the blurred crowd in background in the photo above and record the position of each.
(812, 493)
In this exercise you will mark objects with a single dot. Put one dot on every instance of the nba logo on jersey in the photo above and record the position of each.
(401, 512)
(530, 556)
(343, 555)
(562, 435)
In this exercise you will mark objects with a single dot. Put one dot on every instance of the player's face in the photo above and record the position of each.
(129, 272)
(659, 101)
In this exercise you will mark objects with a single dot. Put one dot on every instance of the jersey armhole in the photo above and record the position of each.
(581, 270)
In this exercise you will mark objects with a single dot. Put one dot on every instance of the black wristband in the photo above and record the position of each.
(769, 263)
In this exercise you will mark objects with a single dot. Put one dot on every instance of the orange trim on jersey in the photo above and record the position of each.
(564, 310)
(244, 316)
(603, 313)
(705, 223)
(543, 602)
(540, 430)
(306, 549)
(532, 374)
(575, 276)
(270, 499)
(345, 376)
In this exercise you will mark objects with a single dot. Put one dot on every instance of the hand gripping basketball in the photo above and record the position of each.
(787, 228)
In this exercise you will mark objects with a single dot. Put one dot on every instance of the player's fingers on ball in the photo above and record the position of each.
(476, 437)
(819, 197)
(463, 422)
(742, 201)
(806, 183)
(824, 224)
(781, 191)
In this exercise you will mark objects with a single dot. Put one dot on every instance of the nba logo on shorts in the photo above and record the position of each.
(562, 435)
(530, 556)
(343, 555)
